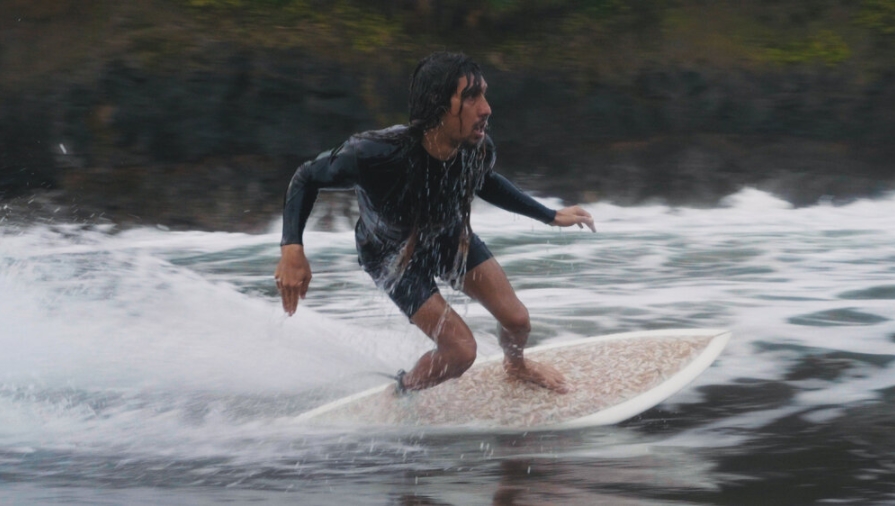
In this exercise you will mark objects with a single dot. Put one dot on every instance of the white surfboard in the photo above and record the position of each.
(612, 378)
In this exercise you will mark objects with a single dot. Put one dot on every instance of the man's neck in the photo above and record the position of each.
(438, 145)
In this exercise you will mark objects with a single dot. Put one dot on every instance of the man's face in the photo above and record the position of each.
(465, 122)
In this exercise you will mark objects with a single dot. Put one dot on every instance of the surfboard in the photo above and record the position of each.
(612, 378)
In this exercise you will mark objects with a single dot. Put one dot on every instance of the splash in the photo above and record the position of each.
(103, 336)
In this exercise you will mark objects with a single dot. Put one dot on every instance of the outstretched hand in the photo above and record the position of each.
(574, 215)
(293, 275)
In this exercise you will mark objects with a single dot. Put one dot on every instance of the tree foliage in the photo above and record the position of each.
(878, 15)
(605, 35)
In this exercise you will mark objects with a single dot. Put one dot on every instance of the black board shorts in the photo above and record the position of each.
(417, 284)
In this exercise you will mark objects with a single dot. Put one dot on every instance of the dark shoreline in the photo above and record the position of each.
(231, 195)
(177, 120)
(194, 205)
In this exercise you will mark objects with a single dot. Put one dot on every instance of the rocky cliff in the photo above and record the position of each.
(194, 115)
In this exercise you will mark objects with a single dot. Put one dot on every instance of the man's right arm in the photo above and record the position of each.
(331, 170)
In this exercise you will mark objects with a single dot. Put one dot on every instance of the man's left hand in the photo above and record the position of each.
(574, 216)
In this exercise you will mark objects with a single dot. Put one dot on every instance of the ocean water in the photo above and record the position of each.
(147, 366)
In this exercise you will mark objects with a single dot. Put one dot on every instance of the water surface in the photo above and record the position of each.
(148, 366)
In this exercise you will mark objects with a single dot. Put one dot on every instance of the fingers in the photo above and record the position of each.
(291, 294)
(303, 288)
(590, 224)
(584, 219)
(289, 298)
(290, 303)
(575, 215)
(293, 276)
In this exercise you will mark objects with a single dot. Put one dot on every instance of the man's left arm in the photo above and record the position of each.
(499, 191)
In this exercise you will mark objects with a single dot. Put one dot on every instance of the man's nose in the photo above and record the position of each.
(485, 109)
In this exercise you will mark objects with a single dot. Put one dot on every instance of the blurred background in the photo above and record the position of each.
(193, 114)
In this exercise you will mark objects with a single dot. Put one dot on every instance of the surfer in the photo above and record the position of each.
(415, 185)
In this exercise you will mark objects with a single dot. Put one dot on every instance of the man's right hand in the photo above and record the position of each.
(293, 275)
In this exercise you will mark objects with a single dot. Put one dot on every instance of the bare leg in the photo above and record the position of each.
(455, 347)
(488, 284)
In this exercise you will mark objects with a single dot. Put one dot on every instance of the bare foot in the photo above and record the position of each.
(540, 374)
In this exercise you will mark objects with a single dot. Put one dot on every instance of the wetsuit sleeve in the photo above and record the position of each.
(499, 191)
(331, 170)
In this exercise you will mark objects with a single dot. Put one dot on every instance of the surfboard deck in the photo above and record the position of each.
(612, 378)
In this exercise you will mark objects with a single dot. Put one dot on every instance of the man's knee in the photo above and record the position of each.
(517, 322)
(461, 354)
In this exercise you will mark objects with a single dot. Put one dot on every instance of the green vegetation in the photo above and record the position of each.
(593, 41)
(878, 15)
(595, 37)
(826, 46)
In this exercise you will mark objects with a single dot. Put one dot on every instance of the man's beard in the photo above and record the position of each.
(473, 143)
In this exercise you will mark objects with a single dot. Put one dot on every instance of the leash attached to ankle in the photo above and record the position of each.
(400, 389)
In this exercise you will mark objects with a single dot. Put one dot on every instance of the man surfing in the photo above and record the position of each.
(415, 185)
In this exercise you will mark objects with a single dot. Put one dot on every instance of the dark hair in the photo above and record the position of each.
(433, 84)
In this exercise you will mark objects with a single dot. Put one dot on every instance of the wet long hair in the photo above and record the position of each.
(432, 85)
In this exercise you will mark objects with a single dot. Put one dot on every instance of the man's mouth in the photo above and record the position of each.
(479, 128)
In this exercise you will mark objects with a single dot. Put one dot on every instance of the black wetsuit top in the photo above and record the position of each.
(378, 166)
